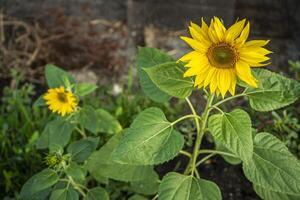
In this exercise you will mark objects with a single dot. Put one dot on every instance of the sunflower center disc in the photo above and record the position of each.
(62, 97)
(222, 56)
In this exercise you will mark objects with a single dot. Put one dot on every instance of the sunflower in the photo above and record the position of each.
(60, 100)
(221, 55)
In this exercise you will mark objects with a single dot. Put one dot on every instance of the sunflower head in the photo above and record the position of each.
(221, 55)
(60, 100)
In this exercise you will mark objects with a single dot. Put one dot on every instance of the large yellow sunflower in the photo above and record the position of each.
(60, 100)
(221, 55)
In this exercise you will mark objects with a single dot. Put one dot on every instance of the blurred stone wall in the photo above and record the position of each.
(278, 20)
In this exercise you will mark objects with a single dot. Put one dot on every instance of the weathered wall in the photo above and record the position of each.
(275, 19)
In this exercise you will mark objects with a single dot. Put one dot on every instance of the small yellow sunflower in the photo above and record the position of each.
(60, 100)
(221, 55)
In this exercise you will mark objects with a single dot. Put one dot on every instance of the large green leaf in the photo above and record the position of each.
(150, 140)
(88, 119)
(176, 186)
(97, 193)
(76, 172)
(273, 168)
(149, 57)
(80, 150)
(168, 77)
(274, 195)
(233, 130)
(57, 132)
(107, 123)
(234, 160)
(83, 89)
(38, 183)
(100, 164)
(57, 77)
(64, 194)
(147, 186)
(274, 91)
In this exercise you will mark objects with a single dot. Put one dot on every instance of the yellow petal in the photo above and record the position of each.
(244, 36)
(209, 76)
(234, 31)
(256, 43)
(244, 73)
(233, 83)
(197, 36)
(189, 56)
(219, 29)
(194, 44)
(224, 81)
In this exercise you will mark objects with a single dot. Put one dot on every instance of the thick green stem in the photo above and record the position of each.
(200, 133)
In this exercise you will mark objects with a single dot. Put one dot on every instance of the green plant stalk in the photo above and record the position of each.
(230, 98)
(215, 152)
(200, 133)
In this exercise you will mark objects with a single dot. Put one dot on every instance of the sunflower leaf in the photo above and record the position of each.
(169, 78)
(273, 170)
(57, 77)
(233, 130)
(176, 186)
(147, 58)
(38, 183)
(56, 133)
(100, 164)
(150, 140)
(274, 91)
(64, 194)
(97, 193)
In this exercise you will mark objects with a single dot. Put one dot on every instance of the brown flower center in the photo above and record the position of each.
(222, 56)
(62, 97)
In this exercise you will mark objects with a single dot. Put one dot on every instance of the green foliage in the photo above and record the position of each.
(150, 139)
(20, 126)
(147, 58)
(80, 150)
(92, 157)
(101, 164)
(97, 193)
(57, 77)
(274, 91)
(175, 186)
(39, 182)
(83, 89)
(56, 133)
(273, 168)
(168, 77)
(64, 194)
(107, 123)
(87, 119)
(233, 130)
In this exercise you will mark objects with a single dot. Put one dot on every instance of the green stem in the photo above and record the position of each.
(82, 133)
(200, 133)
(185, 117)
(228, 99)
(204, 159)
(203, 151)
(197, 128)
(217, 108)
(76, 186)
(185, 153)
